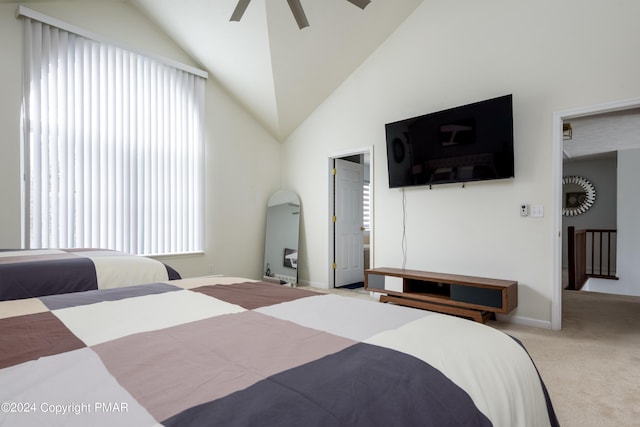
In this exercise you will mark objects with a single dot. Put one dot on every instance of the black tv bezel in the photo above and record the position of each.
(393, 147)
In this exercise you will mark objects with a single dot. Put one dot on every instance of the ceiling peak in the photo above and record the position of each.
(296, 10)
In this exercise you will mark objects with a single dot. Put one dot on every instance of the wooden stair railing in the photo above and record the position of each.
(577, 249)
(590, 244)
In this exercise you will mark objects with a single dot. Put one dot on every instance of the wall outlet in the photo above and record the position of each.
(210, 268)
(524, 209)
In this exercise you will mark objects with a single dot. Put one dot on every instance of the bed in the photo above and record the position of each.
(228, 351)
(40, 272)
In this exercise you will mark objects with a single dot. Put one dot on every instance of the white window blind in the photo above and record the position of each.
(366, 206)
(114, 145)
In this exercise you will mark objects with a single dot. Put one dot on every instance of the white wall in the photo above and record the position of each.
(628, 229)
(10, 93)
(628, 225)
(242, 160)
(550, 55)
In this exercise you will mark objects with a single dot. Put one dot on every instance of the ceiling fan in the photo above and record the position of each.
(296, 9)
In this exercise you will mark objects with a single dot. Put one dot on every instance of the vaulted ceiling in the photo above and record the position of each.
(278, 72)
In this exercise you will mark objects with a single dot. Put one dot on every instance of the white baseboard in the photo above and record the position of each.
(526, 321)
(313, 284)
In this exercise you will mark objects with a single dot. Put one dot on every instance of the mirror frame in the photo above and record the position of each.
(590, 193)
(281, 197)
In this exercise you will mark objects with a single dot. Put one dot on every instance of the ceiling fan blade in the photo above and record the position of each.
(298, 13)
(360, 3)
(239, 10)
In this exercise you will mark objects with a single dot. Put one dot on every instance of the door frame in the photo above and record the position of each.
(366, 150)
(558, 118)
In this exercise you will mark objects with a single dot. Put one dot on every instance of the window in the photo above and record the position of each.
(366, 206)
(114, 147)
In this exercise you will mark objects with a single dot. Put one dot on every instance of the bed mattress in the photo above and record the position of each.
(235, 352)
(39, 272)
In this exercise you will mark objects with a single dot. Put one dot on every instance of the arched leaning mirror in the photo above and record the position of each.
(281, 240)
(578, 195)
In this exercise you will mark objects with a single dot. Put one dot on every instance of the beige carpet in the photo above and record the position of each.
(591, 367)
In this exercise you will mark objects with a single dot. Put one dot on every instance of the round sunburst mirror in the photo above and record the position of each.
(579, 195)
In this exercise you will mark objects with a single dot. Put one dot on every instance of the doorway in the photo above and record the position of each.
(558, 119)
(350, 217)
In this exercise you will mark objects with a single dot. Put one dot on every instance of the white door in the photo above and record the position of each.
(348, 230)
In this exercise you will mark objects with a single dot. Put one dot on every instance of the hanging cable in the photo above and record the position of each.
(404, 229)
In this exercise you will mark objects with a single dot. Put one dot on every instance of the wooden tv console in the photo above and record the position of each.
(478, 298)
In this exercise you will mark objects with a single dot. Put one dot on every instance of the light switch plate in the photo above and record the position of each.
(537, 211)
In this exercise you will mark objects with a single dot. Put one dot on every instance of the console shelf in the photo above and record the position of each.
(478, 298)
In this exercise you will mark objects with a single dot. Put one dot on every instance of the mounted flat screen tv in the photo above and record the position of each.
(473, 142)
